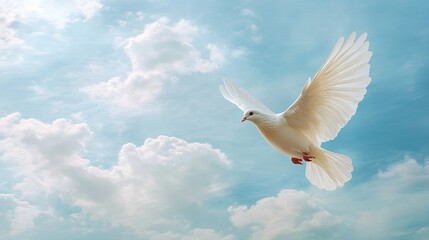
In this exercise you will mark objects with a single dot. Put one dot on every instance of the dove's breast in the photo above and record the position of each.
(285, 139)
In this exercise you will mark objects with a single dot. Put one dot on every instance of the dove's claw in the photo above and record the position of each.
(296, 161)
(307, 158)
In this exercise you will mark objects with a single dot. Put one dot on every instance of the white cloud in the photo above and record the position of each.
(132, 92)
(251, 30)
(56, 13)
(206, 234)
(239, 52)
(194, 234)
(150, 190)
(393, 205)
(161, 52)
(247, 12)
(292, 213)
(8, 35)
(16, 216)
(89, 8)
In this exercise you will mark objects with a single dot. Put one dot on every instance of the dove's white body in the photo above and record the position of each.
(284, 138)
(326, 104)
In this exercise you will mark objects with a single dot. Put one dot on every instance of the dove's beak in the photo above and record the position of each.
(243, 119)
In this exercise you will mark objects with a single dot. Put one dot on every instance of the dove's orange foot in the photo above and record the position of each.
(307, 157)
(296, 161)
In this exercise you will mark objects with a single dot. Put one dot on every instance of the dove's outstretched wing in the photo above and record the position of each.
(328, 101)
(241, 98)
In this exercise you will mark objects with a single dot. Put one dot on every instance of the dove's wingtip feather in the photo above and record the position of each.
(223, 90)
(240, 97)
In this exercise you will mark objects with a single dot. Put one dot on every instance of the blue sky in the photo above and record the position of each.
(113, 127)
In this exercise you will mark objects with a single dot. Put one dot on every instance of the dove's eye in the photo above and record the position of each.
(251, 113)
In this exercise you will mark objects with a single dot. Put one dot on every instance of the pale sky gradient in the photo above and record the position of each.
(113, 127)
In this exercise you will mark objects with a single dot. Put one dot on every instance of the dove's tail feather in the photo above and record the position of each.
(329, 170)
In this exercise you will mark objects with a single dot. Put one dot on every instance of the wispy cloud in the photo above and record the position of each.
(56, 13)
(251, 27)
(16, 216)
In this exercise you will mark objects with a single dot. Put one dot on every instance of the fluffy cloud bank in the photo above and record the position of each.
(160, 52)
(154, 188)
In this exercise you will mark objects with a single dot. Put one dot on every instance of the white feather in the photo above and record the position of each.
(328, 102)
(241, 97)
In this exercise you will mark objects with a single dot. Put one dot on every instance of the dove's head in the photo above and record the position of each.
(250, 115)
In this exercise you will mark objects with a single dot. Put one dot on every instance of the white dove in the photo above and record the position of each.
(325, 105)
